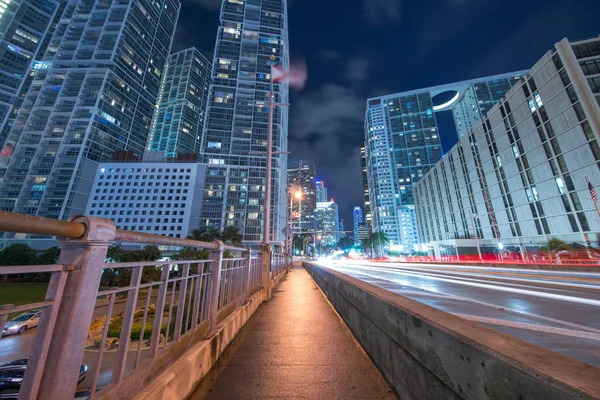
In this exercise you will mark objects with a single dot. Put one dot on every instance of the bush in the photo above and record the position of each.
(136, 330)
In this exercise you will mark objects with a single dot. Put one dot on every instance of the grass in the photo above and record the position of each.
(22, 293)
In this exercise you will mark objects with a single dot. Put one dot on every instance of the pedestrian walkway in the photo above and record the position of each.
(294, 347)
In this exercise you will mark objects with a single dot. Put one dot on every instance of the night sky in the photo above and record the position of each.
(356, 49)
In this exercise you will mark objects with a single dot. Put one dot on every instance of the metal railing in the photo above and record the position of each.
(113, 330)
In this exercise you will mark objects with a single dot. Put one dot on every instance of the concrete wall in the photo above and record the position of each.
(425, 353)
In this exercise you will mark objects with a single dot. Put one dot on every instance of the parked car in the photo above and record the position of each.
(21, 323)
(11, 377)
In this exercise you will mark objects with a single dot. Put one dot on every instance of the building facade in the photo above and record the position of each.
(328, 223)
(321, 192)
(179, 121)
(365, 184)
(357, 216)
(158, 198)
(303, 179)
(403, 142)
(94, 93)
(251, 38)
(24, 29)
(518, 178)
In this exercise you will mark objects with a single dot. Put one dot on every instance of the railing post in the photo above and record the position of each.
(247, 255)
(84, 257)
(216, 256)
(267, 283)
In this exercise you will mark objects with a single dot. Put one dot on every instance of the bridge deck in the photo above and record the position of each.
(295, 346)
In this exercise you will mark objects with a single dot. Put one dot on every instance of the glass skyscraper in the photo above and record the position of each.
(182, 104)
(24, 27)
(403, 142)
(357, 216)
(252, 36)
(303, 178)
(94, 93)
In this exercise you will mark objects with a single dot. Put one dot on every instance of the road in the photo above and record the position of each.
(558, 310)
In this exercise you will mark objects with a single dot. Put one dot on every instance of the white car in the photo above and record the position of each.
(20, 324)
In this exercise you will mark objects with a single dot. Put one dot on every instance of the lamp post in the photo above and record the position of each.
(473, 216)
(298, 195)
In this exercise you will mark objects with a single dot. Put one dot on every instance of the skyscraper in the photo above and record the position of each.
(321, 192)
(24, 27)
(365, 184)
(182, 104)
(403, 143)
(251, 38)
(303, 178)
(357, 215)
(328, 225)
(518, 178)
(94, 93)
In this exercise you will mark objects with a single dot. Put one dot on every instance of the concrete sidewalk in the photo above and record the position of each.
(294, 347)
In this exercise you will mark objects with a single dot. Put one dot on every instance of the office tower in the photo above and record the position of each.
(518, 178)
(357, 215)
(94, 94)
(321, 192)
(142, 205)
(328, 216)
(364, 233)
(365, 184)
(252, 37)
(182, 104)
(342, 229)
(24, 30)
(303, 179)
(403, 142)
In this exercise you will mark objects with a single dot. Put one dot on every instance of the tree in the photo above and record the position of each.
(231, 235)
(367, 246)
(50, 256)
(379, 240)
(554, 247)
(18, 254)
(345, 243)
(191, 254)
(205, 236)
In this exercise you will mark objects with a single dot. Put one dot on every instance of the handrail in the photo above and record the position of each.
(20, 223)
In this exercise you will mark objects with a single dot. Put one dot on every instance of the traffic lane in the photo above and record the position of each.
(589, 286)
(526, 301)
(588, 291)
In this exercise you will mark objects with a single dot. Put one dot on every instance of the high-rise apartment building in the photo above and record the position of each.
(518, 178)
(182, 104)
(94, 93)
(251, 38)
(303, 179)
(328, 225)
(321, 192)
(403, 142)
(24, 29)
(365, 184)
(357, 216)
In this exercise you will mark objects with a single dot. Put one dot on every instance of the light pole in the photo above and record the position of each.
(473, 216)
(298, 196)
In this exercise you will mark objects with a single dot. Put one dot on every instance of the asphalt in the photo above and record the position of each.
(557, 310)
(294, 347)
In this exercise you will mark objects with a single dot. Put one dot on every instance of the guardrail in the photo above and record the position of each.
(85, 318)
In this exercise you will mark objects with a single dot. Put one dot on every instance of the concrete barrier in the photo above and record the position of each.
(425, 353)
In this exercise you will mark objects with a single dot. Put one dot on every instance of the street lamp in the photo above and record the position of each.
(473, 216)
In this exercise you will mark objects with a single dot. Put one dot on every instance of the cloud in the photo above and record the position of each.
(378, 13)
(330, 55)
(326, 111)
(358, 69)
